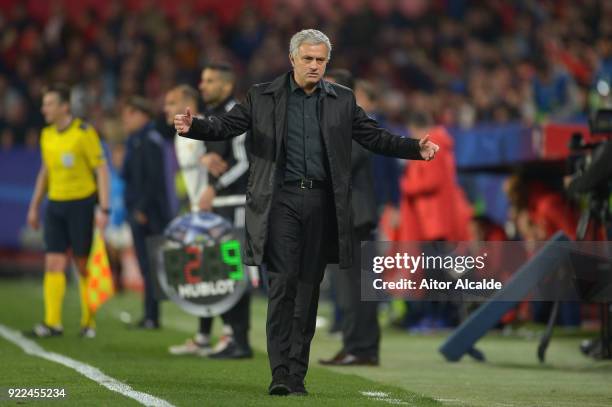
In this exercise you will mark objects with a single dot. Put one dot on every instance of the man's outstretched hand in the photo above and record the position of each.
(428, 148)
(182, 122)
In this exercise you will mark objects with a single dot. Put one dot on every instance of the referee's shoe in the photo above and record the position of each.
(45, 331)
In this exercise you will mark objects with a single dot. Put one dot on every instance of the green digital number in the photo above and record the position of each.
(213, 266)
(230, 251)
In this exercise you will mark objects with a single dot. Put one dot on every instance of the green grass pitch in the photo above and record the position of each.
(412, 373)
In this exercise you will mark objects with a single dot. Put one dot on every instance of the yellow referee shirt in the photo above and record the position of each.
(71, 157)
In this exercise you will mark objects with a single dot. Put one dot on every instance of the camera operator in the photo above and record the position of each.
(593, 177)
(596, 174)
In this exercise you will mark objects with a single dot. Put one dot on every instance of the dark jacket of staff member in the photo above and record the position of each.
(228, 187)
(298, 200)
(360, 329)
(146, 198)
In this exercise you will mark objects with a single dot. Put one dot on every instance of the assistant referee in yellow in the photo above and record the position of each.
(73, 169)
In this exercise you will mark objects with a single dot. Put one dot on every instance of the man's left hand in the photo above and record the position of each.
(428, 148)
(182, 122)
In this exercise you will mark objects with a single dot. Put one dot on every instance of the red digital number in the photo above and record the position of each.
(193, 265)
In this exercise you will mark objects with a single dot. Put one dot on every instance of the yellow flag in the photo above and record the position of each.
(99, 277)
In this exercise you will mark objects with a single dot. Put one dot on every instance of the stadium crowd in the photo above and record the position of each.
(461, 62)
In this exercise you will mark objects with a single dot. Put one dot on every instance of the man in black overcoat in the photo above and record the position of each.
(298, 201)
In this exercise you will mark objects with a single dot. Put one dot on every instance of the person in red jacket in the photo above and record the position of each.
(547, 210)
(432, 208)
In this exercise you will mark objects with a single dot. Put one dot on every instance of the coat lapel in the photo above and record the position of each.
(280, 120)
(278, 90)
(328, 91)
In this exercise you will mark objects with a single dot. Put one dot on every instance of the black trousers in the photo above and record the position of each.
(360, 329)
(151, 304)
(296, 254)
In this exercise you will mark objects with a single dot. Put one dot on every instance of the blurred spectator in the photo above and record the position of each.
(483, 229)
(7, 139)
(554, 92)
(460, 63)
(602, 81)
(31, 138)
(538, 210)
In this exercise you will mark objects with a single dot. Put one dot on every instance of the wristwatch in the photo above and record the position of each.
(105, 211)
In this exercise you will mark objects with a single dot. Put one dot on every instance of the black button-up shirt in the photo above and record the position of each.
(304, 145)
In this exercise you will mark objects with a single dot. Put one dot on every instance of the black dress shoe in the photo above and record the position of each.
(354, 360)
(297, 386)
(281, 384)
(339, 356)
(233, 351)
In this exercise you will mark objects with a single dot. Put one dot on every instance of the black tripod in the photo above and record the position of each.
(594, 218)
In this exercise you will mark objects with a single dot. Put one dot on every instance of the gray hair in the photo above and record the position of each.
(309, 36)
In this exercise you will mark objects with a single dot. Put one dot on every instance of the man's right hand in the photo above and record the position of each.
(182, 122)
(33, 218)
(214, 163)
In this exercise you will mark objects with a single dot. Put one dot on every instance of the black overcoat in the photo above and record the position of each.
(264, 115)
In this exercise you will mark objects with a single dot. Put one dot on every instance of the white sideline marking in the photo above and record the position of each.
(95, 374)
(375, 394)
(450, 401)
(382, 396)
